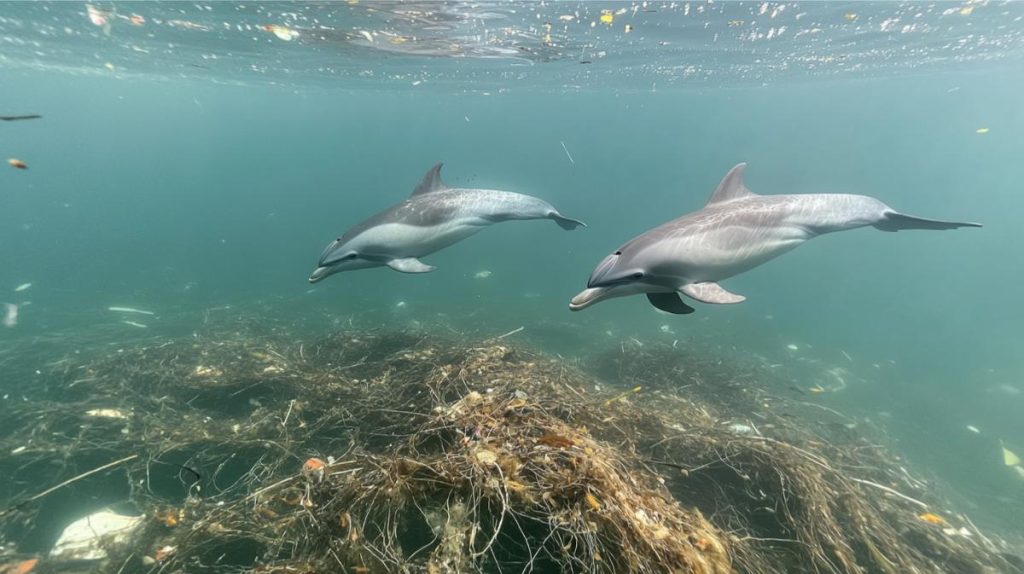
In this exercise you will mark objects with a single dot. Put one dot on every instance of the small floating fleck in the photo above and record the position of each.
(22, 287)
(130, 310)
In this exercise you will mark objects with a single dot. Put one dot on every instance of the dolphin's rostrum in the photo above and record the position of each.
(432, 218)
(736, 231)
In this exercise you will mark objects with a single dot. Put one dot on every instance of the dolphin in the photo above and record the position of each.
(432, 218)
(736, 231)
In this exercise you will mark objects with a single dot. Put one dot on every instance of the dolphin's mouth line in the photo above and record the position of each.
(608, 284)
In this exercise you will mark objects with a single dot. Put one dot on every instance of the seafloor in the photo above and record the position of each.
(254, 447)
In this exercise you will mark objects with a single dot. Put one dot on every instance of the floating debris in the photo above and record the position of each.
(740, 428)
(106, 414)
(932, 518)
(314, 469)
(981, 131)
(23, 567)
(486, 457)
(282, 32)
(17, 163)
(164, 552)
(130, 310)
(22, 287)
(482, 274)
(607, 17)
(567, 154)
(1010, 458)
(98, 17)
(792, 347)
(617, 398)
(10, 314)
(135, 324)
(89, 538)
(973, 429)
(188, 25)
(203, 371)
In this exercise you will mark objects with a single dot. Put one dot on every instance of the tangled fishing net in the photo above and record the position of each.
(411, 452)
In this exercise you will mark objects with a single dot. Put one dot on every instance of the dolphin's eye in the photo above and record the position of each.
(350, 256)
(638, 275)
(617, 253)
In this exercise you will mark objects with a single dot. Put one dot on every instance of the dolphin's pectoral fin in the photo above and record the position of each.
(410, 265)
(894, 221)
(669, 303)
(709, 292)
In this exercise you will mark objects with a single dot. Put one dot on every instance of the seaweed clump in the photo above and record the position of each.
(369, 451)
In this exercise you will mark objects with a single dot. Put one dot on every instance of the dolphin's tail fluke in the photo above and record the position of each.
(566, 222)
(894, 221)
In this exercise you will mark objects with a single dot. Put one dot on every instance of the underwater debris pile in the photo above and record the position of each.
(370, 451)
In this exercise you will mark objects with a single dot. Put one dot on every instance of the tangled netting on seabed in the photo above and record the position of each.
(412, 452)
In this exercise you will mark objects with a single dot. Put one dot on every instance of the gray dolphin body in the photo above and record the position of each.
(432, 218)
(736, 231)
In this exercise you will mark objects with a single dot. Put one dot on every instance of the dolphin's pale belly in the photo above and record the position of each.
(727, 239)
(727, 251)
(396, 240)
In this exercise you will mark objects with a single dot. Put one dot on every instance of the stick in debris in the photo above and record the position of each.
(890, 491)
(512, 332)
(69, 481)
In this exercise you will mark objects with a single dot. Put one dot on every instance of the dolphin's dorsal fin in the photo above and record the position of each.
(731, 187)
(430, 182)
